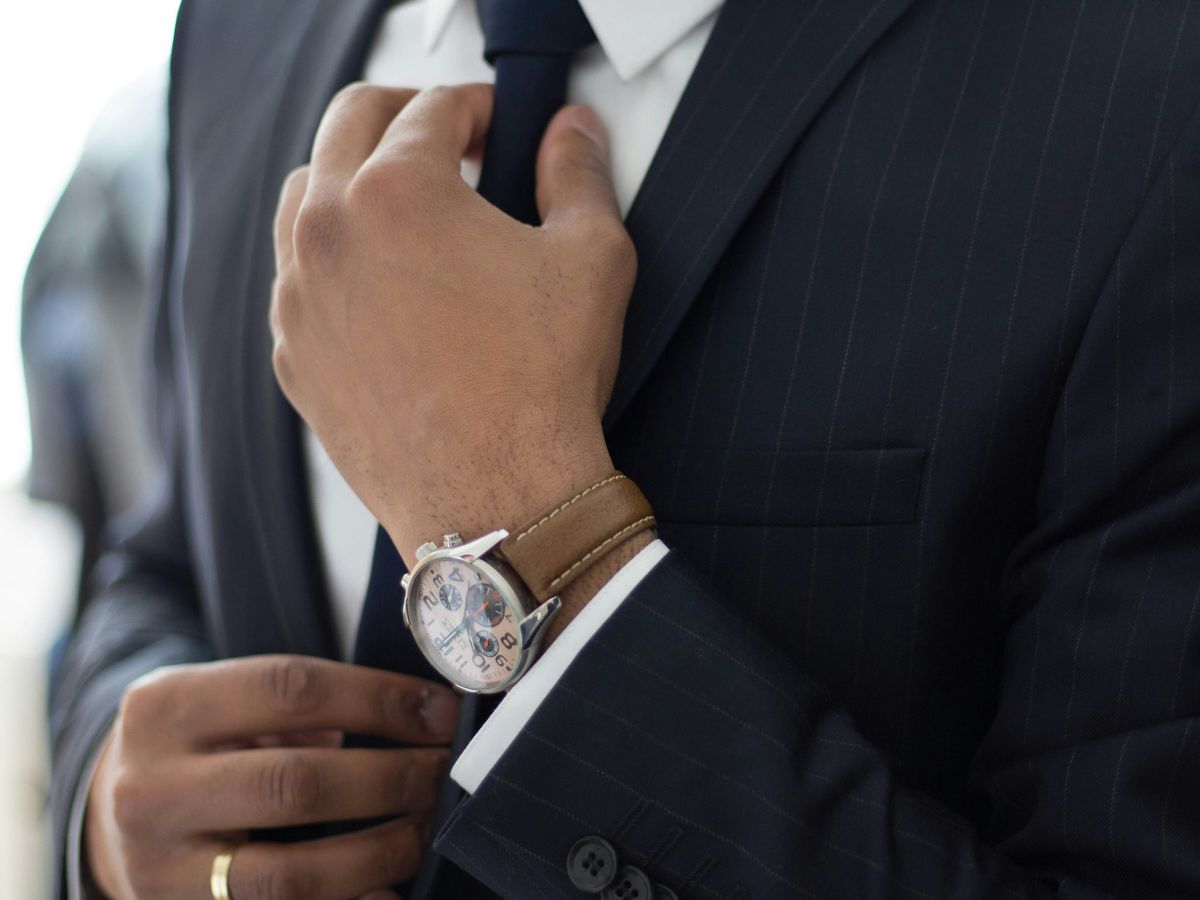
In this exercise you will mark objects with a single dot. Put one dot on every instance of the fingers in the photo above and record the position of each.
(290, 196)
(252, 789)
(574, 179)
(235, 700)
(330, 868)
(381, 895)
(439, 126)
(351, 129)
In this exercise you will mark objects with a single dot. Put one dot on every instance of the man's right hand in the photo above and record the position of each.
(201, 755)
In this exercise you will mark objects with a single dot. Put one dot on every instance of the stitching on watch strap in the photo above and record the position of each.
(554, 512)
(640, 522)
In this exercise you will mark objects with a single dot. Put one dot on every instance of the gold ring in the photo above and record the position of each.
(219, 881)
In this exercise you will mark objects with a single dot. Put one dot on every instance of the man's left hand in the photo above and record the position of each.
(454, 362)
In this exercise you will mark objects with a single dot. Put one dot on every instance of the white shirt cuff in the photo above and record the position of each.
(519, 705)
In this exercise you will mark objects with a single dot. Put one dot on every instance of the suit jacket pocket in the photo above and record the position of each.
(785, 487)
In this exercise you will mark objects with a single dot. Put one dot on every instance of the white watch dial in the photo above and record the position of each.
(464, 624)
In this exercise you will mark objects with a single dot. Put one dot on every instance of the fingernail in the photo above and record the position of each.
(584, 120)
(439, 710)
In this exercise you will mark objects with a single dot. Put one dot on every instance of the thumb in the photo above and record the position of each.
(574, 178)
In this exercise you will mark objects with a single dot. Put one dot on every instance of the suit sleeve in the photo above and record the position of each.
(142, 613)
(723, 769)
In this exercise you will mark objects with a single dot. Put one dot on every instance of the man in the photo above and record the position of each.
(907, 375)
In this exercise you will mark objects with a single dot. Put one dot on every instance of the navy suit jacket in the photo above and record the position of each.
(910, 376)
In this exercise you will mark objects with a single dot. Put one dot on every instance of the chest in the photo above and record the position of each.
(887, 335)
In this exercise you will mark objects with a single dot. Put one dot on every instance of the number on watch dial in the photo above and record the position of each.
(468, 623)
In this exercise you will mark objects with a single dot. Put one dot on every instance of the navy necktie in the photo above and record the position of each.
(530, 43)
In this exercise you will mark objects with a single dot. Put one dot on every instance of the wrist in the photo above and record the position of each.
(580, 593)
(499, 494)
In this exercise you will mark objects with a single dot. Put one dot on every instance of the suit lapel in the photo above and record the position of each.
(768, 68)
(331, 53)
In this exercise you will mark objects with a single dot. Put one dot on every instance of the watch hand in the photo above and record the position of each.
(473, 631)
(445, 640)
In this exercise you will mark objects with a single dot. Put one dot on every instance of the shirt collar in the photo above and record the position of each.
(632, 33)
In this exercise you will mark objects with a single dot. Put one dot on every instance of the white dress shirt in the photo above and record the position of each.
(633, 78)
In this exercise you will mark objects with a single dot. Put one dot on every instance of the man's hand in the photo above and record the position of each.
(454, 362)
(200, 755)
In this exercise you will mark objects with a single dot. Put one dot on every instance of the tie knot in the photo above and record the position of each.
(535, 27)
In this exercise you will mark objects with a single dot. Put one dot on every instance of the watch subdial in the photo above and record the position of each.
(450, 596)
(485, 606)
(486, 643)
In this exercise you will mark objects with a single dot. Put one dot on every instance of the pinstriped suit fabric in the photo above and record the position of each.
(975, 252)
(910, 377)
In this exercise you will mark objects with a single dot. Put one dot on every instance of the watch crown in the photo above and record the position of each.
(425, 549)
(453, 540)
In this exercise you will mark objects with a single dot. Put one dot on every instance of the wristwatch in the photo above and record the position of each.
(478, 609)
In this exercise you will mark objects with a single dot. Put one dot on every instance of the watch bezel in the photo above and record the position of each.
(523, 605)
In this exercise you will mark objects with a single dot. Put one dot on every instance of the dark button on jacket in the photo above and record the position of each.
(592, 864)
(630, 884)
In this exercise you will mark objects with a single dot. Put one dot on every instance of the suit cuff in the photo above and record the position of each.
(519, 705)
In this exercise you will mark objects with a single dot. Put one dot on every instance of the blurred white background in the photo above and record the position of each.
(59, 63)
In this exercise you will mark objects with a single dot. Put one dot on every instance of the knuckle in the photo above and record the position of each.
(405, 786)
(575, 160)
(281, 363)
(141, 707)
(610, 248)
(295, 180)
(131, 710)
(407, 849)
(144, 874)
(318, 230)
(282, 880)
(156, 704)
(294, 684)
(132, 805)
(397, 704)
(445, 95)
(593, 163)
(400, 185)
(285, 304)
(562, 158)
(355, 95)
(397, 852)
(372, 183)
(291, 786)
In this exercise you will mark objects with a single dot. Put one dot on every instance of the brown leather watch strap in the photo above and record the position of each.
(557, 547)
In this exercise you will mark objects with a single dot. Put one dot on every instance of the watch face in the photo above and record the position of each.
(464, 623)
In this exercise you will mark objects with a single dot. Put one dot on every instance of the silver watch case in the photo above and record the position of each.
(532, 617)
